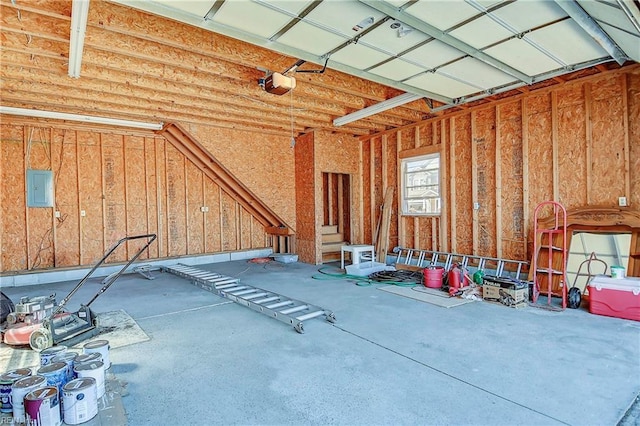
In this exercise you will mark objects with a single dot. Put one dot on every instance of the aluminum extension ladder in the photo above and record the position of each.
(427, 258)
(277, 306)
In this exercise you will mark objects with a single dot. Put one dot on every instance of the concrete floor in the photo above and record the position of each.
(388, 360)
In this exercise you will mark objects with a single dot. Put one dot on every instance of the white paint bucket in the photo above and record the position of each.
(19, 390)
(94, 370)
(47, 354)
(42, 407)
(617, 272)
(68, 358)
(84, 358)
(56, 374)
(100, 346)
(6, 382)
(79, 401)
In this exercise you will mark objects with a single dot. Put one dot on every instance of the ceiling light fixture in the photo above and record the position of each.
(366, 22)
(402, 31)
(377, 108)
(78, 117)
(79, 16)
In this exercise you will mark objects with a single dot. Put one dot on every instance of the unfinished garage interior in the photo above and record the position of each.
(299, 146)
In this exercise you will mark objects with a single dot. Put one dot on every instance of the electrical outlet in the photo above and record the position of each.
(622, 201)
(57, 213)
(83, 213)
(204, 209)
(476, 206)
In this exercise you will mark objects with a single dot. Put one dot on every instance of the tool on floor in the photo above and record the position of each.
(43, 324)
(277, 306)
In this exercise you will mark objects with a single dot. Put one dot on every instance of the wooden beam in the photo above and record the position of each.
(627, 147)
(525, 173)
(399, 172)
(498, 170)
(452, 179)
(589, 139)
(474, 184)
(444, 213)
(554, 140)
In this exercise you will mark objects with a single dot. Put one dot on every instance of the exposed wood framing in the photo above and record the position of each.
(474, 183)
(498, 169)
(554, 141)
(589, 141)
(444, 214)
(525, 175)
(452, 179)
(627, 148)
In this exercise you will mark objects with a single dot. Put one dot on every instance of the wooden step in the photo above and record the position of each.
(332, 238)
(333, 247)
(329, 229)
(331, 257)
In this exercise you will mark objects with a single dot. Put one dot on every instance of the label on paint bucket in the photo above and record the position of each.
(19, 390)
(80, 401)
(6, 382)
(42, 407)
(47, 354)
(55, 373)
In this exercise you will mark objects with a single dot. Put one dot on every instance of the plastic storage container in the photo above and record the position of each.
(615, 297)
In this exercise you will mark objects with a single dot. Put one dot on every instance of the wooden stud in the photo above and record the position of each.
(384, 160)
(238, 226)
(372, 190)
(361, 198)
(589, 139)
(204, 214)
(221, 216)
(167, 213)
(416, 219)
(79, 191)
(330, 200)
(340, 201)
(186, 206)
(159, 198)
(627, 148)
(401, 227)
(554, 141)
(525, 174)
(104, 200)
(434, 234)
(26, 140)
(126, 199)
(452, 179)
(444, 245)
(498, 169)
(146, 189)
(474, 183)
(54, 228)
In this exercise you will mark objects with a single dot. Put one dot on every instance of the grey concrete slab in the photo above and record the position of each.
(387, 360)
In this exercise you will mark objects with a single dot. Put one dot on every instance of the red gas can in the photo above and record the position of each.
(455, 277)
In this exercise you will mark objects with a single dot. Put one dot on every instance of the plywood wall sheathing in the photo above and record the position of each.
(578, 143)
(109, 185)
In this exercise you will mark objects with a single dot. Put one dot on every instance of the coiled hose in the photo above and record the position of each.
(399, 278)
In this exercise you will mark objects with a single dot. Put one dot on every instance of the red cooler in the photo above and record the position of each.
(615, 297)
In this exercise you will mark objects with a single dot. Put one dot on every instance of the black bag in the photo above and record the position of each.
(6, 307)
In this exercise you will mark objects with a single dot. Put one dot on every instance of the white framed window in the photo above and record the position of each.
(421, 185)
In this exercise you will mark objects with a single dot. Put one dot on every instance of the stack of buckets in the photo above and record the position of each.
(66, 387)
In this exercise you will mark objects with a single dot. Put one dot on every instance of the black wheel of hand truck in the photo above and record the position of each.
(575, 297)
(6, 307)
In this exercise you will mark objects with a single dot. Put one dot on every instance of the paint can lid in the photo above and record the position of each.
(27, 382)
(79, 384)
(87, 366)
(54, 350)
(96, 344)
(93, 356)
(42, 393)
(13, 375)
(51, 368)
(64, 357)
